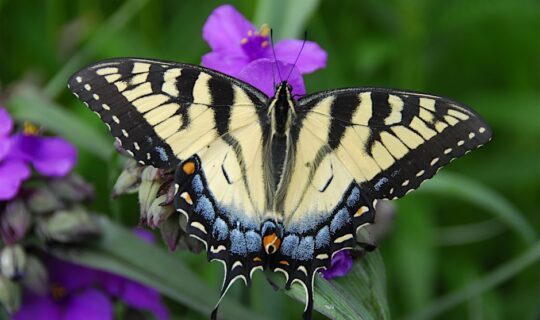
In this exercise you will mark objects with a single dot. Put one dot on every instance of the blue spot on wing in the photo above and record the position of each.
(289, 245)
(253, 241)
(305, 249)
(204, 207)
(380, 183)
(238, 242)
(354, 197)
(197, 185)
(340, 220)
(220, 230)
(162, 154)
(323, 238)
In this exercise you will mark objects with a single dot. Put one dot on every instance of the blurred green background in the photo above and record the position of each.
(464, 247)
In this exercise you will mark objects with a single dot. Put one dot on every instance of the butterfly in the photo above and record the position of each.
(275, 183)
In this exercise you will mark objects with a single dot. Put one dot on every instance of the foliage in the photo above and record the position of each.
(484, 53)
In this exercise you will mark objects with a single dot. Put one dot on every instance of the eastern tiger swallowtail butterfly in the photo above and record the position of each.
(276, 182)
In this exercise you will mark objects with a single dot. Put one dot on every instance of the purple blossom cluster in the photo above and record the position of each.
(49, 209)
(75, 292)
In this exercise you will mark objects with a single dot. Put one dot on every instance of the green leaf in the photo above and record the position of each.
(359, 295)
(120, 251)
(29, 104)
(489, 281)
(287, 18)
(469, 233)
(468, 190)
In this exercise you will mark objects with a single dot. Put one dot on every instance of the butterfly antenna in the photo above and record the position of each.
(298, 56)
(275, 59)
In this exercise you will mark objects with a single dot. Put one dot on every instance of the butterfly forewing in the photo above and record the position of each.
(161, 112)
(387, 141)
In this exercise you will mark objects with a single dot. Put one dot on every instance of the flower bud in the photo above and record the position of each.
(72, 188)
(36, 277)
(148, 191)
(73, 225)
(129, 180)
(13, 262)
(157, 213)
(175, 236)
(42, 200)
(10, 295)
(170, 232)
(384, 219)
(14, 221)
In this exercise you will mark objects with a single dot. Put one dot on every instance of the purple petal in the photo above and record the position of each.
(313, 57)
(144, 234)
(261, 73)
(341, 265)
(6, 124)
(144, 298)
(12, 174)
(70, 276)
(226, 63)
(88, 304)
(5, 144)
(225, 28)
(51, 156)
(38, 307)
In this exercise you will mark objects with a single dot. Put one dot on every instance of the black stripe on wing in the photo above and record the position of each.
(125, 122)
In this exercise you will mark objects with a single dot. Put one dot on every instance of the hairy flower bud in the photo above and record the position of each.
(148, 190)
(157, 212)
(14, 221)
(72, 188)
(10, 295)
(36, 277)
(75, 224)
(42, 200)
(129, 180)
(175, 236)
(13, 261)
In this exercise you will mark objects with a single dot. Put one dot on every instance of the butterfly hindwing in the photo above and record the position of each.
(161, 112)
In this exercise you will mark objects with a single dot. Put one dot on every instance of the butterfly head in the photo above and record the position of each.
(282, 108)
(284, 88)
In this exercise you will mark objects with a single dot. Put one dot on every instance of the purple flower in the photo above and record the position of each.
(50, 156)
(236, 45)
(77, 292)
(341, 265)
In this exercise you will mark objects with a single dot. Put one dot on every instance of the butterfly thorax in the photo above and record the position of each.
(281, 112)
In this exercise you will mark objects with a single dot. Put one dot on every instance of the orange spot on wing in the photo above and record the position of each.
(187, 197)
(189, 167)
(284, 262)
(257, 259)
(271, 243)
(361, 211)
